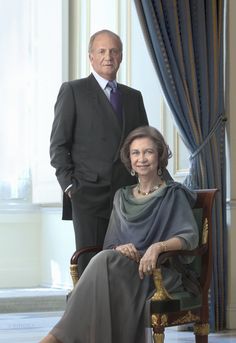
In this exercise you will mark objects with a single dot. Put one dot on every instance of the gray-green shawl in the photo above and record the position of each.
(165, 214)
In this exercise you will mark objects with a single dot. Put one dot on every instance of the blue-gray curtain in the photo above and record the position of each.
(185, 40)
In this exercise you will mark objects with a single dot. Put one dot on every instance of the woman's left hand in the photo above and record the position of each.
(148, 262)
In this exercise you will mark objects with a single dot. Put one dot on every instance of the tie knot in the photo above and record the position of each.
(112, 85)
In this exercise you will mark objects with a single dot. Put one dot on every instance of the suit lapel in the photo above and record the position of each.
(125, 101)
(102, 105)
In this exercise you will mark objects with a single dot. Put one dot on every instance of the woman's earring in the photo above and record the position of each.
(159, 172)
(132, 172)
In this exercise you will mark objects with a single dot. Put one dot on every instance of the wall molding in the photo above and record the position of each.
(231, 317)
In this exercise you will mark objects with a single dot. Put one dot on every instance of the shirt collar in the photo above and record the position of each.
(102, 82)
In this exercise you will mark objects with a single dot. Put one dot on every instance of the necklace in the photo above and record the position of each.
(149, 192)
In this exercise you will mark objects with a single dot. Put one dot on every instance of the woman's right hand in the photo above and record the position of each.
(148, 261)
(130, 251)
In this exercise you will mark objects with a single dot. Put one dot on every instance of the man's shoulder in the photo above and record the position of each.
(85, 84)
(80, 82)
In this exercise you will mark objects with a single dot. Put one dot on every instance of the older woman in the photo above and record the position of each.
(108, 303)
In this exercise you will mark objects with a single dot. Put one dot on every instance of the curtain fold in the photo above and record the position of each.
(185, 40)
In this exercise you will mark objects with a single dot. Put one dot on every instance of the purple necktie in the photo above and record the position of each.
(115, 99)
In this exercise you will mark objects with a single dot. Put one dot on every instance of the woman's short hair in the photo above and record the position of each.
(163, 150)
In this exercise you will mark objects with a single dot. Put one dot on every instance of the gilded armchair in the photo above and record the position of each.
(183, 307)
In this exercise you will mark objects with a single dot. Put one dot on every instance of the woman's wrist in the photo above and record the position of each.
(163, 246)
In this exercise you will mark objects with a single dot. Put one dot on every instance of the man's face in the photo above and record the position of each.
(106, 55)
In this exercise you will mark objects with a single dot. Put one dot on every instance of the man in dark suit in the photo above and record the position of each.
(86, 137)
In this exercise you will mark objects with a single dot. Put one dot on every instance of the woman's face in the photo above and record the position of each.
(144, 157)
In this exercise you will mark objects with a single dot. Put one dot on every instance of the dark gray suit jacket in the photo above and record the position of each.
(85, 143)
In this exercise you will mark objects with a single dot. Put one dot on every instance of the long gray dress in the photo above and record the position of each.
(108, 303)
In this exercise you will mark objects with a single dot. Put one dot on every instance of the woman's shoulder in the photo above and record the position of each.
(180, 188)
(125, 190)
(171, 187)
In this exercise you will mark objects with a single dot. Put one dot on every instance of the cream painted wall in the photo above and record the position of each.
(57, 247)
(20, 245)
(35, 248)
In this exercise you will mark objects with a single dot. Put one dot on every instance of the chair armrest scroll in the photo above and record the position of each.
(78, 253)
(74, 261)
(161, 293)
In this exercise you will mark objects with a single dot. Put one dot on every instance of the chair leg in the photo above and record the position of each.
(158, 327)
(158, 337)
(201, 331)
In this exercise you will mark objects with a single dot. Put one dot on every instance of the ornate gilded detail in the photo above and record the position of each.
(155, 319)
(201, 329)
(161, 293)
(74, 273)
(205, 232)
(164, 320)
(189, 317)
(158, 319)
(158, 337)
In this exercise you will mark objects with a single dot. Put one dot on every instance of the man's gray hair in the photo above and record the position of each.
(92, 38)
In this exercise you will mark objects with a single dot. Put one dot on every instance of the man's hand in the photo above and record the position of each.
(68, 190)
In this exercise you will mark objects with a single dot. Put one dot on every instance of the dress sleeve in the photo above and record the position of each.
(186, 223)
(178, 219)
(182, 222)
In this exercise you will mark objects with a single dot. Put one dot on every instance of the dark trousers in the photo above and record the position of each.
(89, 230)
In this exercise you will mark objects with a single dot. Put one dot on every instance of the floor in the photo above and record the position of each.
(31, 327)
(19, 324)
(26, 327)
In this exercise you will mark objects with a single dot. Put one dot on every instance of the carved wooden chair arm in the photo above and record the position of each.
(74, 261)
(199, 251)
(161, 293)
(78, 253)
